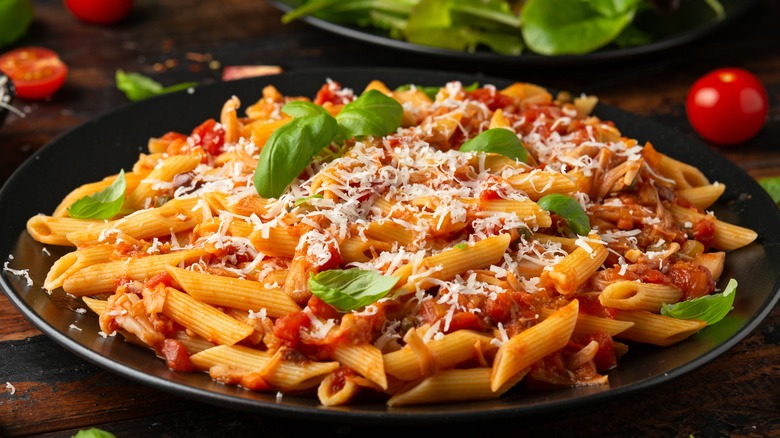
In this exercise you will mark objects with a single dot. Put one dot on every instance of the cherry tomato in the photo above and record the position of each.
(99, 11)
(36, 72)
(727, 106)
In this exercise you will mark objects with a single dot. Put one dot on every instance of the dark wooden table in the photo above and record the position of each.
(57, 393)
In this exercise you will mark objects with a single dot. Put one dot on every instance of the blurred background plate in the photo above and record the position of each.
(692, 21)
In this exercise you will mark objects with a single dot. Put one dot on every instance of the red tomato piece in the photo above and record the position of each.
(727, 106)
(287, 328)
(209, 136)
(176, 356)
(99, 11)
(491, 98)
(464, 321)
(36, 72)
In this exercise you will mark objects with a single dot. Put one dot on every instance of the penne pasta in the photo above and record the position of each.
(308, 245)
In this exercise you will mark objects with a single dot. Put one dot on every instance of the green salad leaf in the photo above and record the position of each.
(710, 308)
(569, 210)
(139, 87)
(564, 27)
(104, 204)
(498, 141)
(350, 289)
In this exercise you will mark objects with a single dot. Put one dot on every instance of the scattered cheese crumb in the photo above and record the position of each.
(25, 273)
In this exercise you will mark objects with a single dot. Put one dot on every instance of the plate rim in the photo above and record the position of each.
(452, 412)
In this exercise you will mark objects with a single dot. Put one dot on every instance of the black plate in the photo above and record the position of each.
(667, 30)
(113, 141)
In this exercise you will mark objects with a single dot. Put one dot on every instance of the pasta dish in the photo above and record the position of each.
(419, 244)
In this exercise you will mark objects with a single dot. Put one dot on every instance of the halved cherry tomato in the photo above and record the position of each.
(36, 72)
(727, 106)
(99, 11)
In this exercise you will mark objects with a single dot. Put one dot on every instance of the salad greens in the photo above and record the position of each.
(507, 27)
(350, 289)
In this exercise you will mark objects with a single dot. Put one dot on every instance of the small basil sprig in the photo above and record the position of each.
(350, 289)
(94, 433)
(709, 308)
(772, 186)
(301, 201)
(433, 91)
(289, 150)
(498, 141)
(139, 87)
(373, 113)
(569, 210)
(301, 108)
(292, 146)
(104, 204)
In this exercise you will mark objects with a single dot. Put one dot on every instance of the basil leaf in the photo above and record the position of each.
(709, 308)
(433, 91)
(15, 19)
(569, 210)
(350, 289)
(498, 141)
(772, 186)
(301, 201)
(300, 108)
(94, 433)
(104, 204)
(429, 91)
(139, 87)
(289, 150)
(373, 113)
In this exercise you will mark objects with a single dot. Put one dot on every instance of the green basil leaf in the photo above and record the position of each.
(350, 289)
(498, 141)
(139, 87)
(15, 19)
(772, 186)
(104, 204)
(473, 87)
(373, 113)
(569, 210)
(429, 91)
(94, 433)
(289, 150)
(300, 108)
(565, 27)
(301, 201)
(709, 308)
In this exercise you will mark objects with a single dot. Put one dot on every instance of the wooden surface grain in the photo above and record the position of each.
(57, 394)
